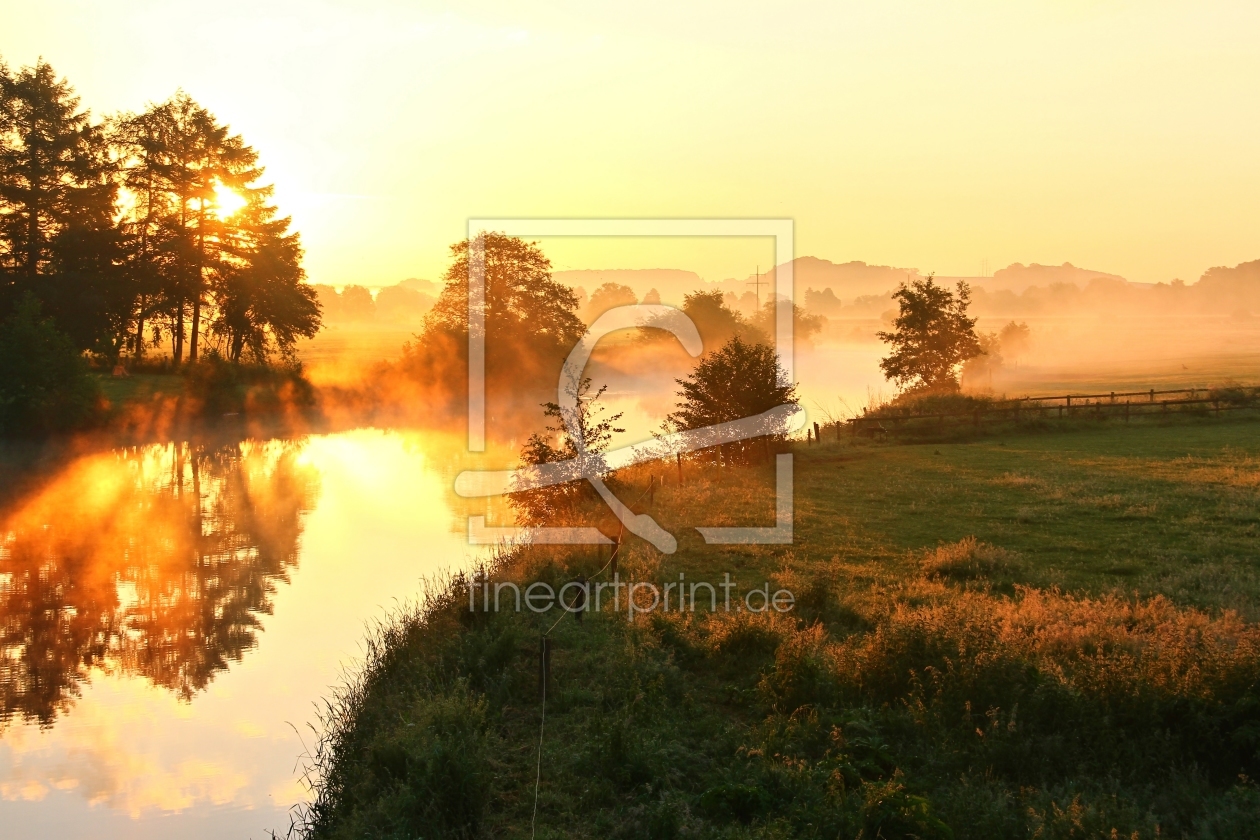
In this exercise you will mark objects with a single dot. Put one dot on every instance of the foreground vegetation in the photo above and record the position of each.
(1046, 635)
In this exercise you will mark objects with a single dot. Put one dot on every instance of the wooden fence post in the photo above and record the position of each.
(817, 433)
(679, 457)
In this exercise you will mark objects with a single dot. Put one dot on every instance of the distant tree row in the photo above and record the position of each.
(404, 303)
(143, 230)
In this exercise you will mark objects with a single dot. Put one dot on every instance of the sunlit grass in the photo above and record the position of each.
(1048, 635)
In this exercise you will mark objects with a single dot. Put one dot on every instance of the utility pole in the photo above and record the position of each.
(757, 284)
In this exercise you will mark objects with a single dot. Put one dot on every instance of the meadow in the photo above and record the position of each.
(1043, 633)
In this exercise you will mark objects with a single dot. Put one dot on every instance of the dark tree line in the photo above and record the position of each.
(143, 231)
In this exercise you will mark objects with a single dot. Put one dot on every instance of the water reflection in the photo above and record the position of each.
(152, 562)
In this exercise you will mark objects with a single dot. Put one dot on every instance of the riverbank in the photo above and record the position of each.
(1047, 634)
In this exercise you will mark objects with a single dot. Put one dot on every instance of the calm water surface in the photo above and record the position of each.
(170, 614)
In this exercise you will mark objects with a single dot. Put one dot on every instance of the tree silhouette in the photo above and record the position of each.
(555, 505)
(116, 227)
(262, 301)
(44, 381)
(609, 296)
(57, 201)
(739, 380)
(1014, 339)
(530, 326)
(932, 336)
(716, 322)
(245, 268)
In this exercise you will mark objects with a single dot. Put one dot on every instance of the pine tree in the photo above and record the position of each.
(234, 279)
(261, 300)
(58, 240)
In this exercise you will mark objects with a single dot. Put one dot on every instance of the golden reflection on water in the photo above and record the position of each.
(167, 612)
(153, 562)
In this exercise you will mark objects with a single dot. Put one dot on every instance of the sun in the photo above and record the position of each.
(227, 200)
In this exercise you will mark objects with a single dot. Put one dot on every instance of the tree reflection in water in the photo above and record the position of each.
(154, 561)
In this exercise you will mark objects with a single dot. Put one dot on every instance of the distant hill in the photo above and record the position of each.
(1017, 277)
(427, 287)
(846, 280)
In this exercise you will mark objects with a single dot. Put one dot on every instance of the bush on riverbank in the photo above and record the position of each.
(45, 383)
(218, 387)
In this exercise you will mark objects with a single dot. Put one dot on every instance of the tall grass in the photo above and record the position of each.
(913, 693)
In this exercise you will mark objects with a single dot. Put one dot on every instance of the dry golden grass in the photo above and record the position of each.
(966, 559)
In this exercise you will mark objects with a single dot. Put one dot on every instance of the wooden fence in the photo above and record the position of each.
(1111, 404)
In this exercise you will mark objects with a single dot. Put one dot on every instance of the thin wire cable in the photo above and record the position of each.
(542, 724)
(620, 535)
(533, 822)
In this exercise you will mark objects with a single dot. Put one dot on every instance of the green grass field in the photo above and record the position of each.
(1036, 635)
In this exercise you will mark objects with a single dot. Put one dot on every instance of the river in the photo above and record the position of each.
(172, 614)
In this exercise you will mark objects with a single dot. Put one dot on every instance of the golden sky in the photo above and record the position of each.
(1119, 135)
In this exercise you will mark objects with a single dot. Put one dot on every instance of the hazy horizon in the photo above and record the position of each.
(910, 133)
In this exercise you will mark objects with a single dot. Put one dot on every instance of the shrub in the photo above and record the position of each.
(222, 387)
(45, 384)
(966, 559)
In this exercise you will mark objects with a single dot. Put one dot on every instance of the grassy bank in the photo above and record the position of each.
(1040, 635)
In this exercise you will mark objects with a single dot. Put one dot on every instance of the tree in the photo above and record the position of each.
(522, 303)
(716, 322)
(58, 239)
(181, 159)
(551, 505)
(979, 369)
(1014, 339)
(932, 336)
(530, 325)
(401, 304)
(804, 325)
(262, 303)
(229, 276)
(357, 304)
(44, 382)
(608, 296)
(741, 379)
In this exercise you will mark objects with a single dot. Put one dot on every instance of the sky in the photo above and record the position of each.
(1116, 135)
